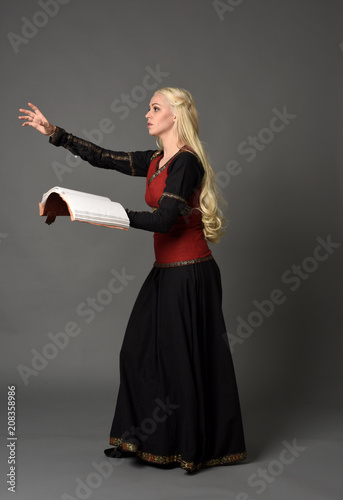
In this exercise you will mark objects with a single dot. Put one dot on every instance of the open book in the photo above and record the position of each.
(84, 207)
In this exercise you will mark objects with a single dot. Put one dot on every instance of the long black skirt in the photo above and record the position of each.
(178, 401)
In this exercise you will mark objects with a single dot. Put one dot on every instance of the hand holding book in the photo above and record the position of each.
(84, 207)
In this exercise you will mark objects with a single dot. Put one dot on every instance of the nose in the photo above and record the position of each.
(148, 114)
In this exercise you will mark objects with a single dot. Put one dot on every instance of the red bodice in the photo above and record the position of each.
(185, 242)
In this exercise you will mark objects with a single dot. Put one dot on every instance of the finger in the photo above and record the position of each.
(33, 106)
(26, 118)
(30, 124)
(27, 111)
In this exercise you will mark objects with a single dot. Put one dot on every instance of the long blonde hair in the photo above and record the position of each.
(187, 126)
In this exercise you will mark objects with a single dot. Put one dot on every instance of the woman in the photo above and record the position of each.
(177, 403)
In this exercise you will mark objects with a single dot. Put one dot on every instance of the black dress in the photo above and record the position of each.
(178, 401)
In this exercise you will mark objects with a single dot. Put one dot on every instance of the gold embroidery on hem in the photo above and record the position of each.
(183, 262)
(118, 443)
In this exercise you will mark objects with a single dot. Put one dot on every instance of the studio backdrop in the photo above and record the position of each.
(266, 79)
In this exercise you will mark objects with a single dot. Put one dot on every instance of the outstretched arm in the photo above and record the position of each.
(135, 163)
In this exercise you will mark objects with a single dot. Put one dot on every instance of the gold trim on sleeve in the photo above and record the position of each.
(127, 157)
(174, 196)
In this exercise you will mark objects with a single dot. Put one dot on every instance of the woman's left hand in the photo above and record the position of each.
(37, 120)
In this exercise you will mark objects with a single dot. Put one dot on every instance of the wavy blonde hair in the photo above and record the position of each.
(187, 127)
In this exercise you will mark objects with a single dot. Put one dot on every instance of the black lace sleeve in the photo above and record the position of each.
(185, 174)
(135, 163)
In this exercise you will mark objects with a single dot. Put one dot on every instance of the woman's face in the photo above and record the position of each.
(160, 117)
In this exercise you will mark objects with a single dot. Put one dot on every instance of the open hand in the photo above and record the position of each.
(37, 120)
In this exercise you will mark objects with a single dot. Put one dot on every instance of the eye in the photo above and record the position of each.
(154, 108)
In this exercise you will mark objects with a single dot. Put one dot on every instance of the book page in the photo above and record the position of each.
(71, 193)
(83, 207)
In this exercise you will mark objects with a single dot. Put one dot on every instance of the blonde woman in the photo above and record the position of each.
(178, 403)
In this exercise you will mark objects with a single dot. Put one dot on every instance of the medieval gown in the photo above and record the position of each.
(178, 401)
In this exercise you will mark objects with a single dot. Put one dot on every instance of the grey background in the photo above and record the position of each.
(258, 57)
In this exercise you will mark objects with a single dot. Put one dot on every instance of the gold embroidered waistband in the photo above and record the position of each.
(183, 262)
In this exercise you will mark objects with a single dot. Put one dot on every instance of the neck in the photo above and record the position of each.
(170, 147)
